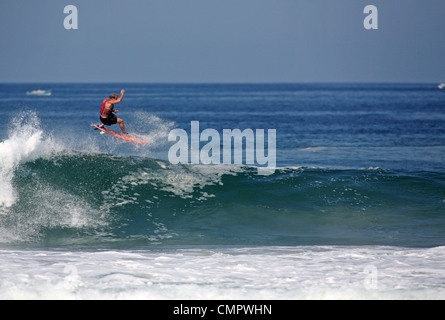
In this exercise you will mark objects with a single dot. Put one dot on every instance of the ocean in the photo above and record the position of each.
(354, 209)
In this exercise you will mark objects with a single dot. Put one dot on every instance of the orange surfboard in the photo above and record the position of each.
(119, 135)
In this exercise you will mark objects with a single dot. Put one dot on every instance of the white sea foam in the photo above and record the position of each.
(45, 205)
(25, 143)
(317, 272)
(179, 180)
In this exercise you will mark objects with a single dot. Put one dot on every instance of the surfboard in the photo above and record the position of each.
(119, 135)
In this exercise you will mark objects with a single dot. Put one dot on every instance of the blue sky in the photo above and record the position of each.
(222, 41)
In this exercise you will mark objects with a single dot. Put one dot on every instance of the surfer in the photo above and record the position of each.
(107, 109)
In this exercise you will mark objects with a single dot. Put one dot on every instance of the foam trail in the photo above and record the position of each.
(156, 129)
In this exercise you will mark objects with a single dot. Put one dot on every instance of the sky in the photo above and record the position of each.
(220, 41)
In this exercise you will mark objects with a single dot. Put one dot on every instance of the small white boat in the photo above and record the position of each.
(441, 86)
(39, 92)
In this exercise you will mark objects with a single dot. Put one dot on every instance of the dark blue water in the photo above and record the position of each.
(358, 164)
(352, 125)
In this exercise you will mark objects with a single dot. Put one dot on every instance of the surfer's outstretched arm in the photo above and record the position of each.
(114, 101)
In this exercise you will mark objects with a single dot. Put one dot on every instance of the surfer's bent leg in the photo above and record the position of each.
(121, 125)
(103, 123)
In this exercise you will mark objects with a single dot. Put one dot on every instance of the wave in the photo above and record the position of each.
(51, 196)
(97, 199)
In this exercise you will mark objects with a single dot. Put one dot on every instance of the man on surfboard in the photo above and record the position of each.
(107, 109)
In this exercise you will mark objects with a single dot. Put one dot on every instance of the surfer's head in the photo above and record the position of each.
(113, 96)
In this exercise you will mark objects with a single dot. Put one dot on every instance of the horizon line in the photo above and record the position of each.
(223, 82)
